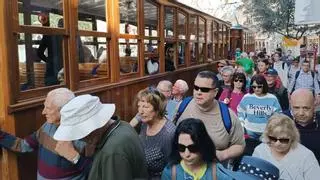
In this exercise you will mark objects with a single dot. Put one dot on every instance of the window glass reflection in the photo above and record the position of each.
(150, 19)
(128, 17)
(92, 15)
(168, 22)
(181, 26)
(128, 55)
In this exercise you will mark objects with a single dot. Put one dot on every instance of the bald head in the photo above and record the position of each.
(302, 106)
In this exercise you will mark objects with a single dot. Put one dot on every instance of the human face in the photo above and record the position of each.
(271, 79)
(295, 63)
(305, 67)
(262, 67)
(226, 76)
(170, 52)
(165, 90)
(176, 89)
(204, 99)
(146, 111)
(220, 66)
(276, 57)
(280, 141)
(302, 108)
(51, 111)
(257, 88)
(189, 158)
(238, 83)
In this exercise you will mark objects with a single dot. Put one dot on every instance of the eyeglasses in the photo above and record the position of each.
(202, 89)
(220, 66)
(192, 148)
(259, 87)
(281, 140)
(171, 51)
(238, 80)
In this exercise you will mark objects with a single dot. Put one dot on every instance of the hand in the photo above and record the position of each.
(66, 150)
(226, 100)
(222, 155)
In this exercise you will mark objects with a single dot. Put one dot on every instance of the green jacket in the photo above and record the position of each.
(119, 156)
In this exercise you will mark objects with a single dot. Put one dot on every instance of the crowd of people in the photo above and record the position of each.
(242, 123)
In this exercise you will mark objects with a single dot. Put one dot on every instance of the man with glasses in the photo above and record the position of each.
(203, 106)
(307, 121)
(220, 65)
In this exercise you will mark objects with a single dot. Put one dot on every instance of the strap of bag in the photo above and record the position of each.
(182, 107)
(214, 171)
(174, 172)
(225, 114)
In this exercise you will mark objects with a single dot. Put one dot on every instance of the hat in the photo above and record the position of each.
(258, 168)
(272, 71)
(82, 115)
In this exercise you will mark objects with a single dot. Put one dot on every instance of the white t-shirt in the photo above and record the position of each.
(299, 164)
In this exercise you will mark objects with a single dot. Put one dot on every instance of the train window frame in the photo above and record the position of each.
(210, 24)
(182, 40)
(194, 42)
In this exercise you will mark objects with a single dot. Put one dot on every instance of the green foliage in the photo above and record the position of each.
(276, 16)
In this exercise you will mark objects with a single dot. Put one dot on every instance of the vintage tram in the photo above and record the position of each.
(109, 48)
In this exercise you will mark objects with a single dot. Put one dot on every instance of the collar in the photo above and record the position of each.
(107, 133)
(199, 174)
(310, 126)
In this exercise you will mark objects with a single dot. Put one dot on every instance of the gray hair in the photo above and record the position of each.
(165, 83)
(184, 85)
(229, 69)
(60, 96)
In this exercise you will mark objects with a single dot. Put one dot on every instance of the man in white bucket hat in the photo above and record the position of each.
(119, 152)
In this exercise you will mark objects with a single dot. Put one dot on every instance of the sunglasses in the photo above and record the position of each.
(259, 86)
(202, 89)
(238, 80)
(220, 66)
(281, 140)
(192, 148)
(171, 51)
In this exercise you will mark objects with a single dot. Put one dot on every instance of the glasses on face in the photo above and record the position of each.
(258, 86)
(281, 140)
(192, 148)
(171, 51)
(238, 80)
(202, 89)
(220, 66)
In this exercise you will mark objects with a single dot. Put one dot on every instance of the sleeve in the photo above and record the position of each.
(311, 168)
(285, 75)
(237, 134)
(276, 105)
(285, 100)
(166, 173)
(115, 167)
(10, 142)
(291, 84)
(256, 152)
(316, 84)
(241, 109)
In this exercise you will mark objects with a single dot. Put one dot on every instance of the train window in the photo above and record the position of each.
(181, 53)
(40, 60)
(202, 34)
(128, 17)
(216, 40)
(151, 15)
(128, 56)
(181, 27)
(210, 41)
(201, 52)
(40, 13)
(193, 27)
(91, 16)
(93, 57)
(169, 22)
(151, 56)
(193, 51)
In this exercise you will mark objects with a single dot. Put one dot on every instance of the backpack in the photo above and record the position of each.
(224, 110)
(296, 77)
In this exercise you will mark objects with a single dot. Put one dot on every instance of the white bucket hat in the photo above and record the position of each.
(82, 115)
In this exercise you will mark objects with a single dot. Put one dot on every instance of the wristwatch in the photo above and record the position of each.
(75, 159)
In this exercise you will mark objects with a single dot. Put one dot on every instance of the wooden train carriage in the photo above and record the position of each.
(243, 38)
(101, 47)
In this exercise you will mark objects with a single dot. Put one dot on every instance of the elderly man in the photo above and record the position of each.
(227, 132)
(302, 107)
(50, 164)
(165, 87)
(179, 89)
(119, 152)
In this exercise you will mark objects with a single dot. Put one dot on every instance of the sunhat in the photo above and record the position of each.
(82, 115)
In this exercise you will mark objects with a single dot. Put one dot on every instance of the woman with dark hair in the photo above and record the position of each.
(193, 154)
(233, 96)
(255, 108)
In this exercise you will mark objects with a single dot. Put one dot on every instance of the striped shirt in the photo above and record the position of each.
(254, 111)
(50, 164)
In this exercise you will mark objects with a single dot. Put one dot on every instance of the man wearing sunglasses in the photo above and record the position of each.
(307, 121)
(203, 106)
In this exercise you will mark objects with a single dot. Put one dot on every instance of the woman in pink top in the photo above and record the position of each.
(233, 96)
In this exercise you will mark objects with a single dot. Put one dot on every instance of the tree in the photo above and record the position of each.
(276, 16)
